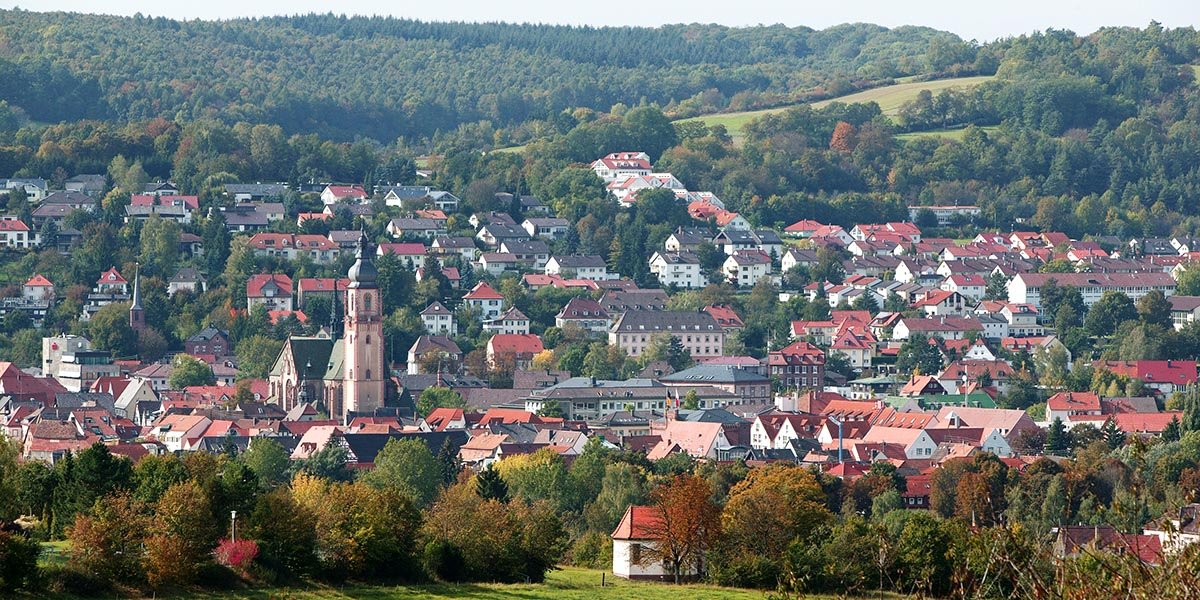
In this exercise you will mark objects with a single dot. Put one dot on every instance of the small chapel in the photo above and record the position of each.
(340, 373)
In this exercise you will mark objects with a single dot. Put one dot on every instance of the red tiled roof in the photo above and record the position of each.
(725, 315)
(517, 343)
(1178, 372)
(254, 285)
(639, 523)
(804, 225)
(13, 225)
(402, 249)
(322, 284)
(111, 276)
(483, 291)
(1073, 401)
(38, 281)
(347, 191)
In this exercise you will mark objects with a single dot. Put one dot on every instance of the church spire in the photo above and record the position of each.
(137, 315)
(363, 273)
(334, 318)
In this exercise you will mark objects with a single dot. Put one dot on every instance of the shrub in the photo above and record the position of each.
(593, 550)
(237, 555)
(18, 561)
(71, 580)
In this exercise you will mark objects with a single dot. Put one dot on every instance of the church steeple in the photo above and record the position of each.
(137, 315)
(363, 366)
(363, 273)
(334, 317)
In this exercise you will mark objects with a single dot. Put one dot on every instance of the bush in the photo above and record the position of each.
(593, 551)
(237, 555)
(70, 580)
(746, 571)
(18, 561)
(444, 561)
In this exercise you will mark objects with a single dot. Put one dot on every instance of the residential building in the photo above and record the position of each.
(551, 228)
(584, 312)
(187, 279)
(749, 387)
(799, 365)
(1026, 288)
(410, 227)
(273, 291)
(1065, 405)
(578, 267)
(438, 320)
(209, 341)
(411, 254)
(512, 322)
(745, 267)
(634, 540)
(517, 348)
(622, 165)
(289, 246)
(1184, 310)
(486, 301)
(440, 352)
(681, 270)
(698, 332)
(16, 235)
(1163, 376)
(333, 194)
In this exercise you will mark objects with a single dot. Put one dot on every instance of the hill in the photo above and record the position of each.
(383, 77)
(889, 98)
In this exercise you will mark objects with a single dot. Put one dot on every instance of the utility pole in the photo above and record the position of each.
(233, 526)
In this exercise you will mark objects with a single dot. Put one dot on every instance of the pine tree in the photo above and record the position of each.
(489, 485)
(1057, 443)
(1191, 409)
(1113, 436)
(1171, 432)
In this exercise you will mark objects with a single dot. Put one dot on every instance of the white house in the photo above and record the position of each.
(1026, 288)
(438, 320)
(633, 540)
(578, 267)
(678, 269)
(745, 267)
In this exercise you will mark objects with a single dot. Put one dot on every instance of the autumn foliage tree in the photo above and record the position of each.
(689, 524)
(844, 139)
(768, 510)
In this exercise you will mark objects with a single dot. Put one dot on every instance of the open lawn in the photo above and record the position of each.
(570, 583)
(951, 134)
(890, 98)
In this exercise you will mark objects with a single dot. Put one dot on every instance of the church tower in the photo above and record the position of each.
(137, 315)
(363, 386)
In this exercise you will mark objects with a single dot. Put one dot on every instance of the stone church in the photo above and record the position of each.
(343, 375)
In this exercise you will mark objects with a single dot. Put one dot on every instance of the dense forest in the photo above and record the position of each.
(384, 78)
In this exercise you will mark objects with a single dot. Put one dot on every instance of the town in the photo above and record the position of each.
(915, 353)
(925, 327)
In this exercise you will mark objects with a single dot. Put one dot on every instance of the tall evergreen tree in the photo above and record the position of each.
(1057, 442)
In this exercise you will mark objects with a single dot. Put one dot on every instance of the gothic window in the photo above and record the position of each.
(368, 339)
(368, 374)
(367, 305)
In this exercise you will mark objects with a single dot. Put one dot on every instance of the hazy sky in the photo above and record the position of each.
(970, 19)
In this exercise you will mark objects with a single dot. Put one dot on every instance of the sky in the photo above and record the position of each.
(982, 21)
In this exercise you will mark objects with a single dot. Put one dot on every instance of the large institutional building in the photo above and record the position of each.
(345, 375)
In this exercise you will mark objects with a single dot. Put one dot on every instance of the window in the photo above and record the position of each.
(635, 553)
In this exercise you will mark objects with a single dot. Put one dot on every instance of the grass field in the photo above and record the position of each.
(567, 584)
(951, 134)
(890, 98)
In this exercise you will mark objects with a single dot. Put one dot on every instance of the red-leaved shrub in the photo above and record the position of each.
(236, 555)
